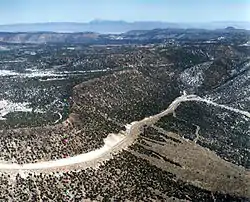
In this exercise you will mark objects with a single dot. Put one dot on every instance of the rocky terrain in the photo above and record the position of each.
(198, 153)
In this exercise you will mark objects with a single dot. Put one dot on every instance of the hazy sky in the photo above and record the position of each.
(28, 11)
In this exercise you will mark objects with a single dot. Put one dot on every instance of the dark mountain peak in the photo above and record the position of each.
(100, 21)
(230, 28)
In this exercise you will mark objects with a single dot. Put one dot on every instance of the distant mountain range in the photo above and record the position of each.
(229, 34)
(106, 26)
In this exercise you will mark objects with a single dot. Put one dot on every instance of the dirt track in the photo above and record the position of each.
(114, 143)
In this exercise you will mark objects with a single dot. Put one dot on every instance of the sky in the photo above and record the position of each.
(32, 11)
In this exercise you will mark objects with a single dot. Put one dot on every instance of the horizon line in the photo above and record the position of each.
(104, 20)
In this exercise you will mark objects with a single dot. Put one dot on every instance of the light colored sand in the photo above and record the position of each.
(110, 142)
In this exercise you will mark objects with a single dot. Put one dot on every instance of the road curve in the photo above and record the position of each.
(113, 144)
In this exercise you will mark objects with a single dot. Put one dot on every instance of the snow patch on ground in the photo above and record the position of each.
(246, 44)
(239, 87)
(7, 106)
(32, 73)
(194, 76)
(4, 72)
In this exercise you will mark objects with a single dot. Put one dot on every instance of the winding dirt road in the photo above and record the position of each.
(114, 143)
